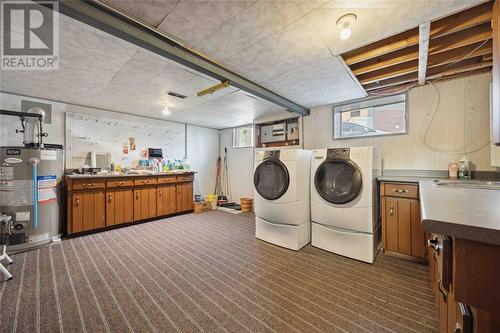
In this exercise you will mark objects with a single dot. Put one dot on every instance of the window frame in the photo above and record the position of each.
(252, 131)
(368, 100)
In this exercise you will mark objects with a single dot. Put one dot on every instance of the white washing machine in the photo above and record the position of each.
(282, 197)
(344, 205)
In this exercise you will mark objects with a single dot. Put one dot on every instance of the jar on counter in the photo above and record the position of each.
(453, 170)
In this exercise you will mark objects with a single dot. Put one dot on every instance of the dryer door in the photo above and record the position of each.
(338, 181)
(271, 179)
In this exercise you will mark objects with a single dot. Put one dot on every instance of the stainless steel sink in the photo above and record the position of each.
(475, 184)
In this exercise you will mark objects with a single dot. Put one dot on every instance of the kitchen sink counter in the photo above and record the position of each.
(463, 212)
(405, 179)
(108, 175)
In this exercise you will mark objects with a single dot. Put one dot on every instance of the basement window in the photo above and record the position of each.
(373, 116)
(243, 137)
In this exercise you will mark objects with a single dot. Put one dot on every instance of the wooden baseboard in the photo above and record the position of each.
(419, 260)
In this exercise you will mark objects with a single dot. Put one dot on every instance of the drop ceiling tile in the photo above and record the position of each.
(258, 21)
(151, 12)
(191, 21)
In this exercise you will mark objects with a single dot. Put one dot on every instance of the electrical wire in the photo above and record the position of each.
(452, 151)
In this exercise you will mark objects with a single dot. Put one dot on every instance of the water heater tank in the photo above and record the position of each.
(30, 196)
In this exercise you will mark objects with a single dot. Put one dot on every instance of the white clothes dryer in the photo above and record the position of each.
(282, 197)
(344, 205)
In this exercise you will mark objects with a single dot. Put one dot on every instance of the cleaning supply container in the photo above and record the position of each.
(246, 205)
(213, 200)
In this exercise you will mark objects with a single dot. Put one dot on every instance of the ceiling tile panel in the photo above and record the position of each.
(192, 21)
(151, 12)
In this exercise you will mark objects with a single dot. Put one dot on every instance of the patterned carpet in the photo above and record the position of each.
(208, 273)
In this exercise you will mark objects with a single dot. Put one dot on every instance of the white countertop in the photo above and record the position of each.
(466, 213)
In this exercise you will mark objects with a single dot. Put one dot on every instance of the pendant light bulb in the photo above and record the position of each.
(346, 31)
(345, 22)
(166, 111)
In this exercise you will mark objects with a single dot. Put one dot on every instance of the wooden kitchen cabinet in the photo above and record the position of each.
(95, 202)
(184, 196)
(401, 226)
(144, 202)
(87, 211)
(119, 206)
(166, 198)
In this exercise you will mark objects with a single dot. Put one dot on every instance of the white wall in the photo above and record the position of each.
(462, 119)
(202, 152)
(8, 136)
(202, 143)
(240, 166)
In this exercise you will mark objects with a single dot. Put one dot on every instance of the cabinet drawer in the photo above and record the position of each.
(145, 181)
(167, 180)
(185, 178)
(118, 182)
(88, 184)
(401, 190)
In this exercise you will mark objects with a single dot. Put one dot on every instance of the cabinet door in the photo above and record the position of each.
(93, 210)
(404, 226)
(172, 199)
(418, 248)
(184, 197)
(391, 224)
(76, 212)
(110, 208)
(160, 195)
(166, 195)
(119, 206)
(128, 206)
(137, 204)
(151, 202)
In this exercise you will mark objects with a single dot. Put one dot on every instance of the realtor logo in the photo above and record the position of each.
(30, 35)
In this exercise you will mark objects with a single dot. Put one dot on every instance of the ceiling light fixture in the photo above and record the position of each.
(166, 111)
(345, 21)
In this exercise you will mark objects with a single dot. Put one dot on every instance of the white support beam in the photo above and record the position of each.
(423, 50)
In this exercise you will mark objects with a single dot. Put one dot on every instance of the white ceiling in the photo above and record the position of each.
(289, 47)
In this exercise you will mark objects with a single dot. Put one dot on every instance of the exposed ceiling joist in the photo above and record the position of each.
(451, 24)
(459, 39)
(423, 51)
(443, 58)
(433, 73)
(386, 60)
(391, 44)
(441, 44)
(441, 79)
(100, 17)
(488, 56)
(462, 20)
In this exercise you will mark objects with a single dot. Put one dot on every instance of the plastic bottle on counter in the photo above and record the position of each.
(464, 168)
(453, 170)
(186, 165)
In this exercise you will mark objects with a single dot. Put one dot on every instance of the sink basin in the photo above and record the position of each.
(475, 184)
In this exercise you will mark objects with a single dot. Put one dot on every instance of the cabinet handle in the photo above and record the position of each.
(77, 202)
(391, 211)
(434, 243)
(145, 181)
(399, 191)
(137, 196)
(467, 319)
(109, 198)
(120, 183)
(159, 194)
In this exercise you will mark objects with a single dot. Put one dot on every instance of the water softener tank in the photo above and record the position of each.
(30, 196)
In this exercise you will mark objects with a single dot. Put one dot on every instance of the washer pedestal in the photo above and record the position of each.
(290, 236)
(357, 245)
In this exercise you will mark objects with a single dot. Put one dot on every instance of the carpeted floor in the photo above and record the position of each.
(207, 272)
